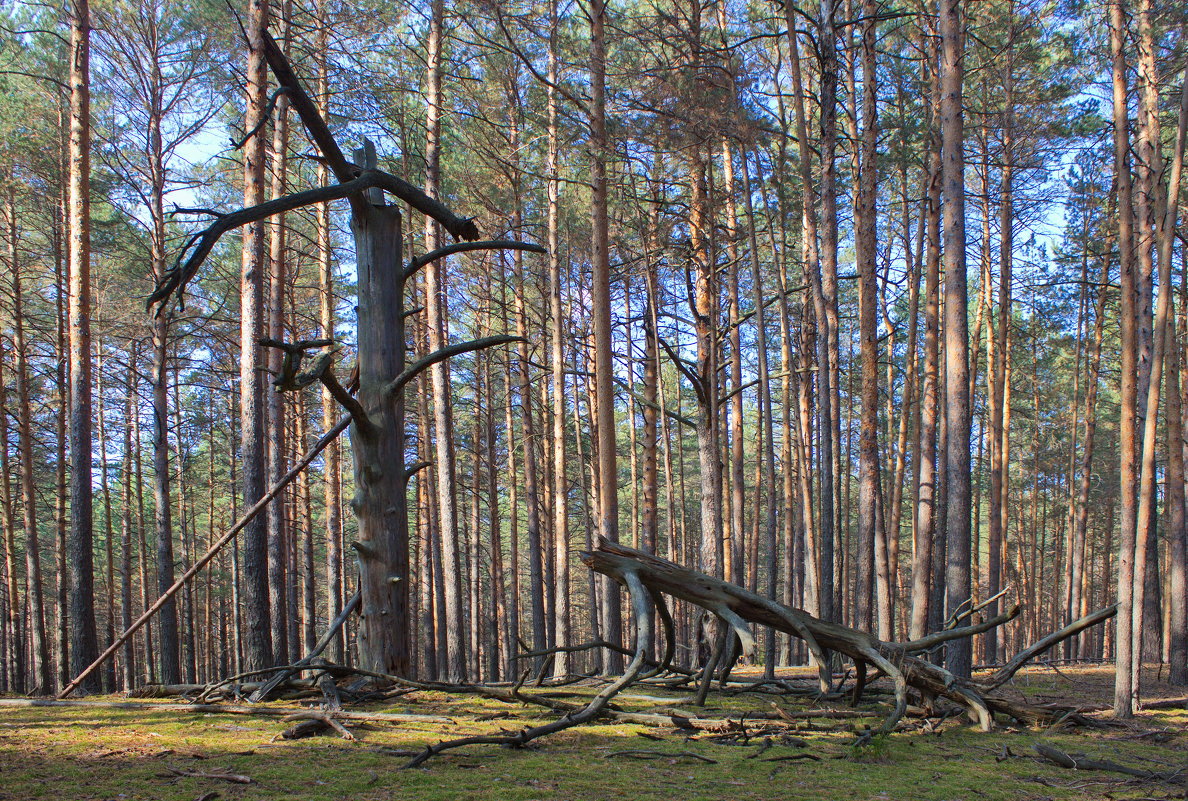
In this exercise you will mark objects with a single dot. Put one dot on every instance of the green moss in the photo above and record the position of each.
(79, 753)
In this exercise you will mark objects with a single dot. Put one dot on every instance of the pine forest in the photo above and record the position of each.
(427, 364)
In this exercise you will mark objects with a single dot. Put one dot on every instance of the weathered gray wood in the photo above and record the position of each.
(380, 503)
(738, 607)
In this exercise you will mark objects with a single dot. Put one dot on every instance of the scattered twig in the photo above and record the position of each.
(636, 753)
(234, 778)
(791, 758)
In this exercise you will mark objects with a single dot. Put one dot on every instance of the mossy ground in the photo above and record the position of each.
(77, 753)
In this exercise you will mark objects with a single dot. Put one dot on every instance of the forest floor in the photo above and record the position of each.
(98, 753)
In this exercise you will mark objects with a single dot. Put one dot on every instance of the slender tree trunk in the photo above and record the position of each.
(1177, 531)
(12, 645)
(1127, 436)
(957, 401)
(767, 418)
(327, 303)
(818, 525)
(258, 652)
(865, 234)
(107, 674)
(608, 489)
(444, 464)
(1078, 573)
(927, 492)
(1142, 619)
(274, 324)
(131, 409)
(62, 256)
(83, 642)
(829, 375)
(531, 472)
(561, 625)
(39, 665)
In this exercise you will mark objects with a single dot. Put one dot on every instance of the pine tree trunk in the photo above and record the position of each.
(12, 646)
(80, 547)
(274, 407)
(107, 674)
(258, 650)
(607, 473)
(39, 667)
(561, 614)
(865, 235)
(927, 495)
(1124, 702)
(435, 320)
(818, 520)
(958, 656)
(127, 471)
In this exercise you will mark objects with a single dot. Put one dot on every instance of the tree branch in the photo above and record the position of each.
(464, 247)
(419, 366)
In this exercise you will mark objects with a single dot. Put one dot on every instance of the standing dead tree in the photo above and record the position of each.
(376, 410)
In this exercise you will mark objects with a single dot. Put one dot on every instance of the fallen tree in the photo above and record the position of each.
(737, 607)
(649, 578)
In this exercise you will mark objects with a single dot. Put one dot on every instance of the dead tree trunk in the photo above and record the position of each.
(377, 413)
(901, 662)
(377, 443)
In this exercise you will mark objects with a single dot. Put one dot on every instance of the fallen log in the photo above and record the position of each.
(737, 607)
(1081, 762)
(648, 578)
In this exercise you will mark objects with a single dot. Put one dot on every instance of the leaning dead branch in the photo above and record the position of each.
(1004, 674)
(214, 549)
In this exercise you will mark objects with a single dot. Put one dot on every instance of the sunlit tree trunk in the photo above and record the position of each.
(607, 473)
(258, 650)
(1124, 706)
(83, 642)
(957, 402)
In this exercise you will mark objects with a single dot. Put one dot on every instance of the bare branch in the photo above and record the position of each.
(458, 227)
(1003, 674)
(933, 640)
(464, 247)
(419, 366)
(238, 144)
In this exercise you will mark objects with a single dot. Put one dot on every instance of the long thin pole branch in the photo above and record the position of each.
(244, 519)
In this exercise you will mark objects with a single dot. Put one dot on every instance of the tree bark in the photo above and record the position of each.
(435, 320)
(957, 402)
(377, 444)
(83, 641)
(870, 530)
(258, 650)
(39, 667)
(1124, 706)
(608, 489)
(927, 492)
(279, 576)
